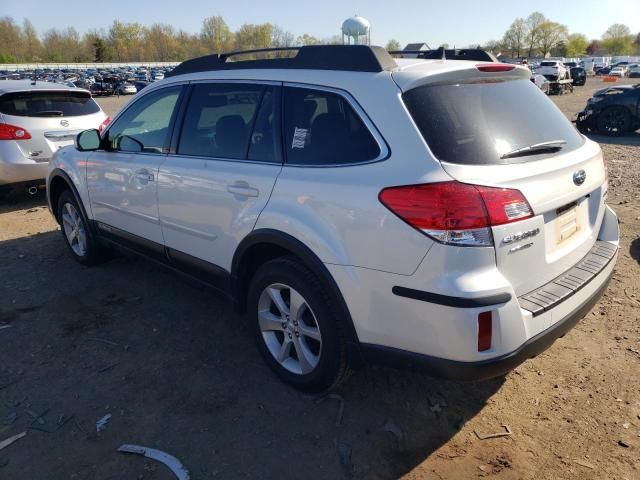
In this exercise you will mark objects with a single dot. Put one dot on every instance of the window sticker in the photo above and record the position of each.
(299, 137)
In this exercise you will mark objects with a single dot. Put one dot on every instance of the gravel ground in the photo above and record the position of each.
(177, 370)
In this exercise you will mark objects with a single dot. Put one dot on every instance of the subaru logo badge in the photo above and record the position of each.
(579, 177)
(64, 123)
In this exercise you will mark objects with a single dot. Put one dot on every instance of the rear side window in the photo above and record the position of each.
(321, 128)
(548, 64)
(479, 123)
(233, 121)
(48, 104)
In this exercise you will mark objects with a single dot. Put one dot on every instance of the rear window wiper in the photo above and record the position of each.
(550, 146)
(47, 113)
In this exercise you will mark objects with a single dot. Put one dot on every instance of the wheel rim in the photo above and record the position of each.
(289, 329)
(74, 229)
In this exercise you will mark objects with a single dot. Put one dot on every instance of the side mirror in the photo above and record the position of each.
(88, 141)
(125, 143)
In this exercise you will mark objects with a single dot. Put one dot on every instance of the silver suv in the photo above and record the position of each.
(425, 212)
(36, 119)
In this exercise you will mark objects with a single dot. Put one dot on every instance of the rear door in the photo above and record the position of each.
(224, 164)
(486, 133)
(51, 117)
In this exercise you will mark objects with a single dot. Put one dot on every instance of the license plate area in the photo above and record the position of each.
(567, 222)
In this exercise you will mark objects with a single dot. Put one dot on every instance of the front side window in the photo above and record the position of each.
(230, 121)
(321, 128)
(144, 127)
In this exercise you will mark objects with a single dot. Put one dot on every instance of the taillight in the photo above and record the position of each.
(11, 132)
(495, 67)
(485, 331)
(456, 213)
(104, 124)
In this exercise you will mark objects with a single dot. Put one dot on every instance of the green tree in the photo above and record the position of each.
(532, 40)
(576, 44)
(126, 41)
(617, 40)
(250, 36)
(32, 46)
(306, 39)
(216, 35)
(515, 37)
(393, 45)
(160, 42)
(550, 36)
(11, 39)
(281, 38)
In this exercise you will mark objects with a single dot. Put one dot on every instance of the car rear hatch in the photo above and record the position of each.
(494, 128)
(48, 119)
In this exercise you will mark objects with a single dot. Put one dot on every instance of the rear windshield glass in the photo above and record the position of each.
(48, 104)
(479, 123)
(548, 64)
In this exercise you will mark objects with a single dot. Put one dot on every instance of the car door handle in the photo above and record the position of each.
(243, 189)
(144, 175)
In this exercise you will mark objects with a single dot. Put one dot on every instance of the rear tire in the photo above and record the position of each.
(81, 243)
(299, 326)
(614, 121)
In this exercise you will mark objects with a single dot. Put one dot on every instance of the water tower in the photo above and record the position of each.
(357, 29)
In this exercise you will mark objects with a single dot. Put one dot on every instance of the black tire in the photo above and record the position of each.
(614, 121)
(94, 252)
(332, 367)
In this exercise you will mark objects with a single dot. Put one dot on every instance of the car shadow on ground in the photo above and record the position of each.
(632, 139)
(21, 200)
(178, 370)
(634, 250)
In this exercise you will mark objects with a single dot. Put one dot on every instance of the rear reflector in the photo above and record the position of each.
(11, 132)
(456, 213)
(495, 67)
(484, 331)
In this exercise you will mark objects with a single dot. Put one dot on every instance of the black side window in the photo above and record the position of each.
(230, 121)
(145, 125)
(321, 128)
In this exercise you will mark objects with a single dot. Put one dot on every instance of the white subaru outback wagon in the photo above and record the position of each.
(435, 213)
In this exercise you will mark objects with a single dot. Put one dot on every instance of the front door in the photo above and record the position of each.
(122, 179)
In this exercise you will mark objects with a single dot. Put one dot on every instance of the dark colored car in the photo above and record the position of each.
(141, 85)
(603, 71)
(579, 76)
(612, 111)
(99, 89)
(571, 64)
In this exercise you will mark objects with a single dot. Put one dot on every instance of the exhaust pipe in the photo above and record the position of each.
(32, 190)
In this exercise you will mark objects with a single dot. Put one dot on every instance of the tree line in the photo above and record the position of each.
(538, 36)
(133, 42)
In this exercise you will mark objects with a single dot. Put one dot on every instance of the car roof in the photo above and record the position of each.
(7, 86)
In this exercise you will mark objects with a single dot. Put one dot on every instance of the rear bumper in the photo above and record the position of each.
(16, 168)
(489, 368)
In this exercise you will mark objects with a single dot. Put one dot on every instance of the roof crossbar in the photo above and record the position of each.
(473, 54)
(351, 58)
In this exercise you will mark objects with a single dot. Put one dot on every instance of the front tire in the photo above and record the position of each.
(614, 121)
(299, 326)
(81, 243)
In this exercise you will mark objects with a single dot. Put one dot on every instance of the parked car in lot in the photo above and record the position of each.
(553, 70)
(541, 82)
(612, 111)
(354, 205)
(36, 119)
(579, 76)
(101, 89)
(126, 89)
(634, 72)
(618, 72)
(603, 71)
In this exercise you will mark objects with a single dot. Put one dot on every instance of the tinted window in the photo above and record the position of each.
(478, 123)
(548, 64)
(48, 104)
(321, 128)
(265, 138)
(146, 121)
(220, 118)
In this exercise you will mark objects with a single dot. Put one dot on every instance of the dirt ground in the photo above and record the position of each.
(177, 370)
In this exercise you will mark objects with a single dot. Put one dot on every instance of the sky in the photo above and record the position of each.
(455, 22)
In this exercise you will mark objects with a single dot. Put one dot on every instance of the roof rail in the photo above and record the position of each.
(473, 54)
(351, 58)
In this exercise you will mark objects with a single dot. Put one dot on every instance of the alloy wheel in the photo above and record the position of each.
(74, 229)
(289, 328)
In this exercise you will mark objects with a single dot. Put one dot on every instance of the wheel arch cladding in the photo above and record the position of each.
(263, 245)
(58, 183)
